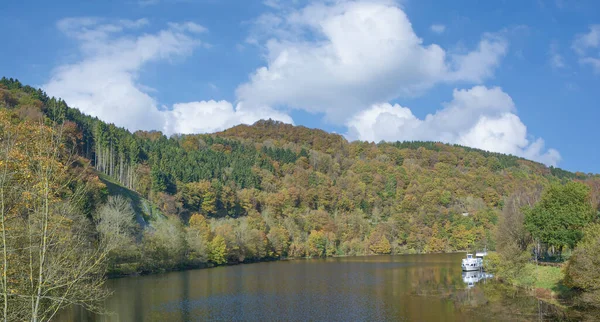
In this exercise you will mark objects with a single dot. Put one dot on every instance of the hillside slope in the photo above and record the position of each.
(264, 130)
(145, 211)
(271, 189)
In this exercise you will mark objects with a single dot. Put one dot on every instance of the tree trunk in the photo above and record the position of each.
(121, 171)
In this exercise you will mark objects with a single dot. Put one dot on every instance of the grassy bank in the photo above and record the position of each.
(546, 282)
(548, 277)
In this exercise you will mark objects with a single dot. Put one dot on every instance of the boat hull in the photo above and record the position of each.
(472, 263)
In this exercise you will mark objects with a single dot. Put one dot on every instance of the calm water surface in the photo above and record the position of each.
(374, 288)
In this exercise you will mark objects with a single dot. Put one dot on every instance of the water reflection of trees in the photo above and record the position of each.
(485, 299)
(434, 281)
(415, 288)
(494, 300)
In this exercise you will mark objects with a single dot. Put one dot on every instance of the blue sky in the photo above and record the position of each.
(517, 77)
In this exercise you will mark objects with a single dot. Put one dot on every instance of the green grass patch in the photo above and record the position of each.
(547, 277)
(550, 278)
(141, 206)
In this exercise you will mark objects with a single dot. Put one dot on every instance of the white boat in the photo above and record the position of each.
(472, 263)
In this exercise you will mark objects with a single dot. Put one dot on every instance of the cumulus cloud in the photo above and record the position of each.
(586, 43)
(344, 59)
(438, 29)
(105, 81)
(338, 57)
(479, 117)
(212, 116)
(477, 65)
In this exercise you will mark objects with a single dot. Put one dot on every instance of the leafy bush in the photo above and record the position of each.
(511, 266)
(583, 269)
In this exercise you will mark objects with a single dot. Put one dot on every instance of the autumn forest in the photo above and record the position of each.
(150, 203)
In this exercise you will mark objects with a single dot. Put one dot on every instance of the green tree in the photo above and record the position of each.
(558, 219)
(218, 250)
(164, 245)
(198, 196)
(197, 236)
(280, 240)
(511, 266)
(317, 243)
(582, 271)
(258, 177)
(209, 202)
(255, 244)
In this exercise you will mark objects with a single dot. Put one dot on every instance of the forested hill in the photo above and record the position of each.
(281, 133)
(272, 189)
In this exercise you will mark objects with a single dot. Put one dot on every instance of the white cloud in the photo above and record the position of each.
(212, 116)
(91, 29)
(480, 117)
(338, 57)
(187, 26)
(438, 28)
(584, 43)
(142, 22)
(272, 4)
(479, 64)
(104, 83)
(594, 62)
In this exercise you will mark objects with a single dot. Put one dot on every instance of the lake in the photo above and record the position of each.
(372, 288)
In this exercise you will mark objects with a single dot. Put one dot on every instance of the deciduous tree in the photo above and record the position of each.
(561, 214)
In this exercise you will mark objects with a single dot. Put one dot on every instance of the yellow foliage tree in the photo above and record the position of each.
(279, 238)
(381, 246)
(218, 250)
(47, 260)
(199, 223)
(317, 243)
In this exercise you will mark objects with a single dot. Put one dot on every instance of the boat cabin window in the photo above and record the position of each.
(469, 256)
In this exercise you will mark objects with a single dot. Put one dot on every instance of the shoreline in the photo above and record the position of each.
(548, 286)
(210, 265)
